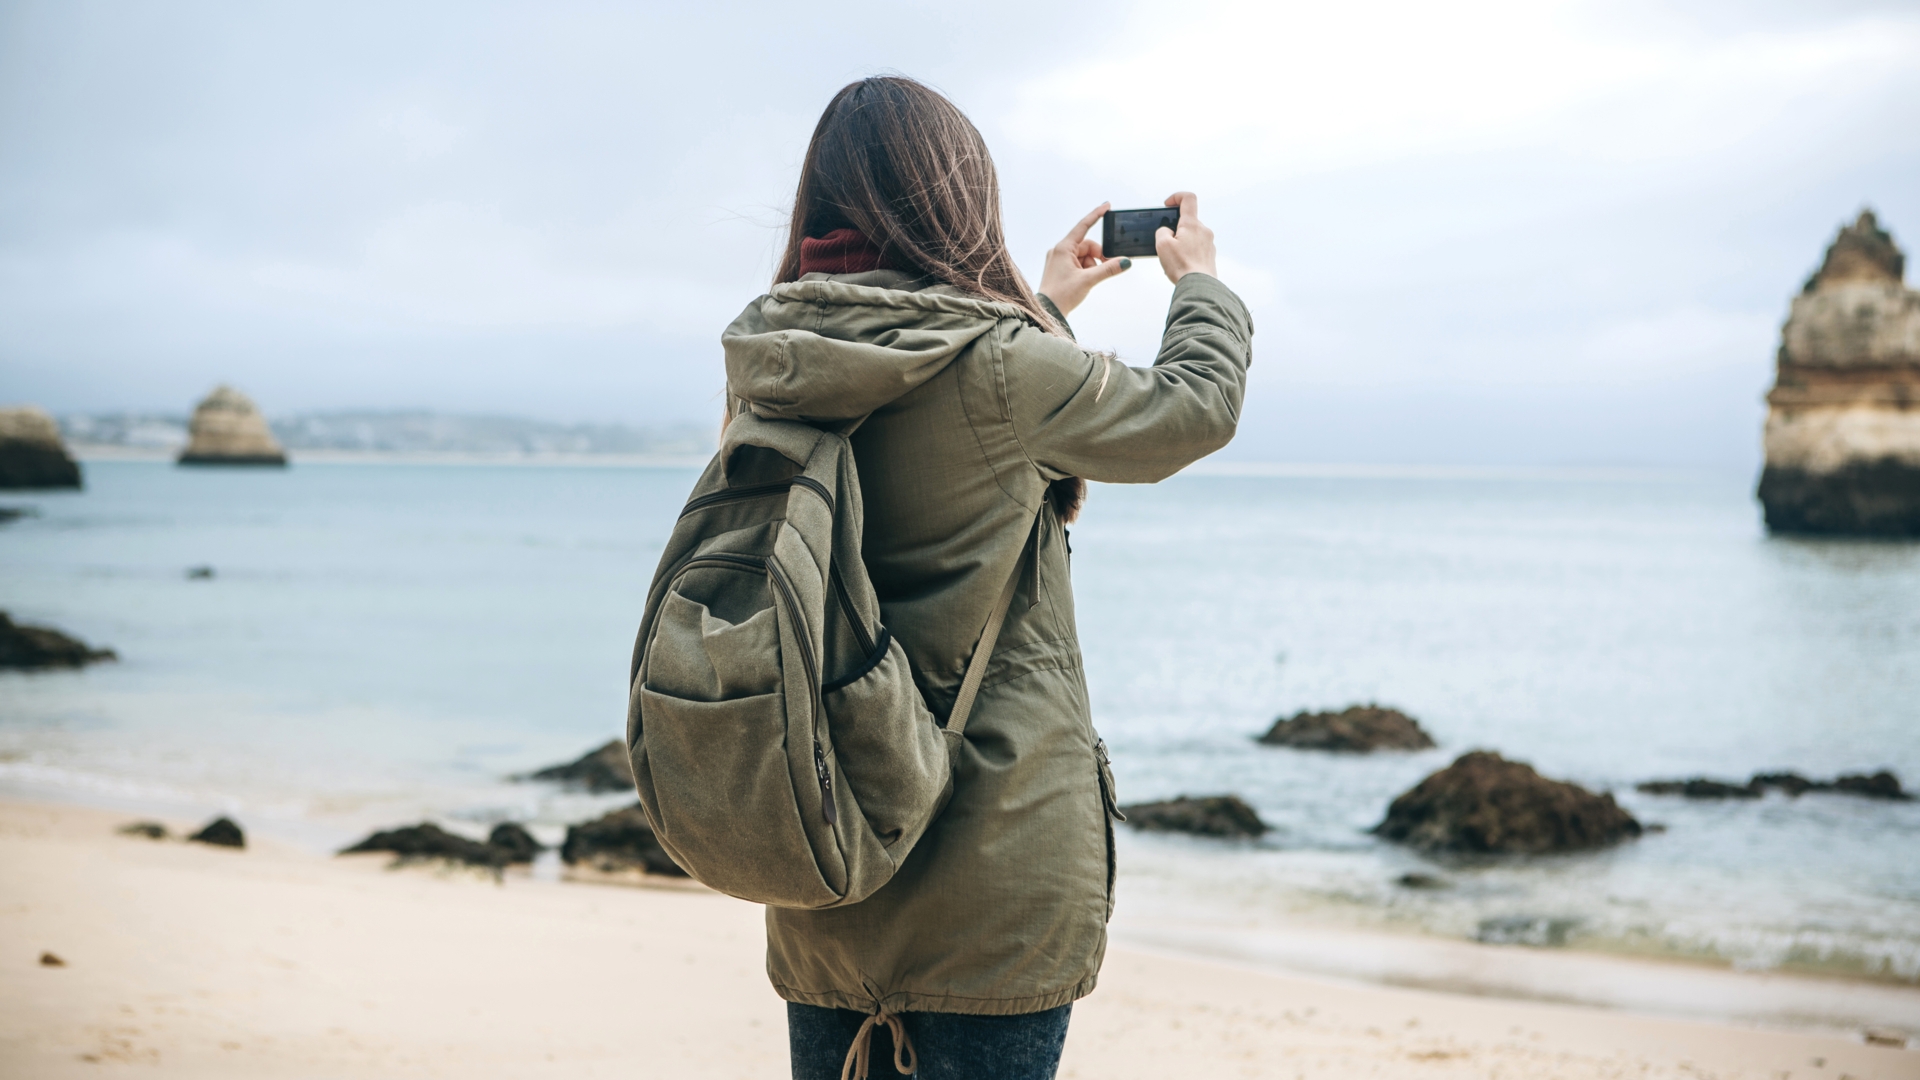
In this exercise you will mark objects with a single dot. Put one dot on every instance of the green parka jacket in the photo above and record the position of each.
(1002, 907)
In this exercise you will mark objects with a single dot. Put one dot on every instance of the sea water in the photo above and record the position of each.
(383, 642)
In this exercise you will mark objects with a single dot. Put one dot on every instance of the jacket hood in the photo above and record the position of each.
(826, 349)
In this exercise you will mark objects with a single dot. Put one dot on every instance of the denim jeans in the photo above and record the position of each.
(950, 1046)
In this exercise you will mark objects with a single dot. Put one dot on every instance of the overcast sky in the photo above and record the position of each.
(1526, 233)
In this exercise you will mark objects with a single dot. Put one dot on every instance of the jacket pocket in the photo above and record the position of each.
(1110, 800)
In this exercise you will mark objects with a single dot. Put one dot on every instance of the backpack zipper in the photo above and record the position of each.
(860, 634)
(813, 684)
(759, 491)
(738, 562)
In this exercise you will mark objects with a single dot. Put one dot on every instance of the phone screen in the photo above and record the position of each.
(1130, 232)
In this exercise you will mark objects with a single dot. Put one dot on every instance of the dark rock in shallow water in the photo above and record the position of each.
(1209, 815)
(605, 769)
(1485, 804)
(515, 840)
(429, 841)
(220, 832)
(1790, 782)
(1421, 881)
(1881, 785)
(151, 830)
(1699, 788)
(1359, 729)
(620, 840)
(36, 647)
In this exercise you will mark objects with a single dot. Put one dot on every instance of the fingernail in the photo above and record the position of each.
(1126, 264)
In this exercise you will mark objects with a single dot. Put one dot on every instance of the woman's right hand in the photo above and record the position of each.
(1189, 249)
(1075, 265)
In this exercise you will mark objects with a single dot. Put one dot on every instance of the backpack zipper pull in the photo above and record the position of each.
(826, 785)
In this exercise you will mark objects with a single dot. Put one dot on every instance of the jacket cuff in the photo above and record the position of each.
(1195, 289)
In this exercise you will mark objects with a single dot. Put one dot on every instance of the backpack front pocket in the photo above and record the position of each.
(717, 638)
(732, 792)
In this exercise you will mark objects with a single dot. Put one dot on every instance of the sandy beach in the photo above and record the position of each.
(185, 960)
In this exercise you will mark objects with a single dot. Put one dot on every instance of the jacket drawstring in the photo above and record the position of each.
(904, 1061)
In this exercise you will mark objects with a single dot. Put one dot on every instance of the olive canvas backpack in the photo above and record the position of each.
(780, 746)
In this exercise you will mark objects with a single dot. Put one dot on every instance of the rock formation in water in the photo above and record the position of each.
(1485, 804)
(1880, 785)
(604, 769)
(1360, 729)
(622, 840)
(1208, 815)
(31, 453)
(1843, 418)
(33, 648)
(227, 429)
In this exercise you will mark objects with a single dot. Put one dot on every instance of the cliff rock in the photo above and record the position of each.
(227, 429)
(1207, 815)
(1485, 804)
(1359, 729)
(31, 453)
(1843, 417)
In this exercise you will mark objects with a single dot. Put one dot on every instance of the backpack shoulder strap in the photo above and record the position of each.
(983, 651)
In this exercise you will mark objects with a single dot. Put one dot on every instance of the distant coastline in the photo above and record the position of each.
(112, 452)
(411, 436)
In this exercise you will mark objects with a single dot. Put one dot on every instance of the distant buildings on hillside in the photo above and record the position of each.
(407, 432)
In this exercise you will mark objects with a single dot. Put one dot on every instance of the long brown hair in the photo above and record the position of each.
(894, 159)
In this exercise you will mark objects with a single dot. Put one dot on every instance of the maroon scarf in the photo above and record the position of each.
(842, 251)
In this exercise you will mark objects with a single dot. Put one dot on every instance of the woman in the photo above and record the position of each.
(897, 298)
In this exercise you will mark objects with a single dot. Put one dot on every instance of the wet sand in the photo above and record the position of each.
(184, 960)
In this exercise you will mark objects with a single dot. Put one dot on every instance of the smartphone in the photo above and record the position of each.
(1130, 232)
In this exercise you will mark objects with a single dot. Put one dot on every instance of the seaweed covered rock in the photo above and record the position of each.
(620, 840)
(1485, 804)
(33, 648)
(32, 454)
(221, 832)
(1359, 729)
(604, 769)
(518, 844)
(1879, 785)
(425, 841)
(1207, 815)
(1790, 782)
(1700, 787)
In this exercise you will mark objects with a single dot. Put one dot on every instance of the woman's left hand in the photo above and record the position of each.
(1074, 265)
